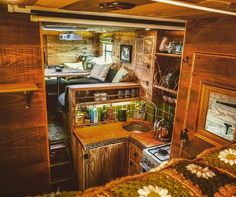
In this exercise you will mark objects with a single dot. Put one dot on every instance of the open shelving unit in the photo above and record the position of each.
(166, 89)
(83, 97)
(26, 88)
(168, 55)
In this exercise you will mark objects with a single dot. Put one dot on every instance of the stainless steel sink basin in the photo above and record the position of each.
(136, 127)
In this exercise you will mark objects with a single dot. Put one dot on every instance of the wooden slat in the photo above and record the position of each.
(168, 55)
(17, 87)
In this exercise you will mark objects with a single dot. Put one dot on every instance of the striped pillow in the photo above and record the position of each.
(100, 71)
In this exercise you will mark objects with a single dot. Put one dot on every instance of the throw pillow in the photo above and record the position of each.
(100, 71)
(77, 65)
(120, 75)
(129, 77)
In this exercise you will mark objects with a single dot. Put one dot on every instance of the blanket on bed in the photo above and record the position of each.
(211, 174)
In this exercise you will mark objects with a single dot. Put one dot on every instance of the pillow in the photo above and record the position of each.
(129, 77)
(111, 74)
(77, 65)
(120, 75)
(100, 71)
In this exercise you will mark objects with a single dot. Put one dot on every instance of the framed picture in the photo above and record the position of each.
(217, 116)
(126, 53)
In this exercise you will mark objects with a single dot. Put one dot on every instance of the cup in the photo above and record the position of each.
(104, 96)
(97, 96)
(120, 94)
(133, 93)
(127, 93)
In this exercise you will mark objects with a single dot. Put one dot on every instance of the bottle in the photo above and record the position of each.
(104, 114)
(95, 115)
(109, 115)
(79, 118)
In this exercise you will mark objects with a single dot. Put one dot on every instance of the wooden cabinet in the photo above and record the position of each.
(135, 157)
(96, 166)
(106, 163)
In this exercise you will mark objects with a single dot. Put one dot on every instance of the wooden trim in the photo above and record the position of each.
(17, 87)
(202, 133)
(45, 102)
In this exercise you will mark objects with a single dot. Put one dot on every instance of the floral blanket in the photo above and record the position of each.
(211, 174)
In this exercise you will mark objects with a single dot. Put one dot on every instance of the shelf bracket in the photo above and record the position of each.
(28, 99)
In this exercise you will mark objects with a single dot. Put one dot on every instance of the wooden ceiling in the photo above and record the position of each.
(143, 7)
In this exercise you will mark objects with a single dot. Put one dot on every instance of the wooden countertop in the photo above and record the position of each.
(95, 136)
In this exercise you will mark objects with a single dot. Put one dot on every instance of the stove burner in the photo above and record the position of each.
(162, 152)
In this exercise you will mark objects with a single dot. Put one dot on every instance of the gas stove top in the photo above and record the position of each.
(154, 156)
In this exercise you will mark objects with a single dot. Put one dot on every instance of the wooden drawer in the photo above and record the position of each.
(135, 153)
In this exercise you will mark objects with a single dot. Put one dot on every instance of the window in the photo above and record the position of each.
(107, 53)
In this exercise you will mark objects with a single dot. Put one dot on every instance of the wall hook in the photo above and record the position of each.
(187, 60)
(28, 99)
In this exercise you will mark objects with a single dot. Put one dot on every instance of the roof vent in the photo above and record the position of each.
(117, 5)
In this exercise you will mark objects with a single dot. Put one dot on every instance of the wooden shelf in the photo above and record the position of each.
(166, 89)
(109, 101)
(169, 55)
(17, 87)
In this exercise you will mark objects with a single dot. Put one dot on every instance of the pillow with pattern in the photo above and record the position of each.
(100, 71)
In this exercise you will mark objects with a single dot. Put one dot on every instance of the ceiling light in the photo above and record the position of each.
(196, 7)
(147, 29)
(116, 5)
(62, 28)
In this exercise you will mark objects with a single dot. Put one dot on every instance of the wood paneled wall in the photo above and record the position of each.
(211, 35)
(24, 168)
(61, 51)
(143, 61)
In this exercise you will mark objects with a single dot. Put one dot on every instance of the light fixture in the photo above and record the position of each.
(116, 5)
(196, 7)
(68, 28)
(147, 29)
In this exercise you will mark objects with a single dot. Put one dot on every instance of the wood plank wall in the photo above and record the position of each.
(23, 133)
(61, 51)
(203, 35)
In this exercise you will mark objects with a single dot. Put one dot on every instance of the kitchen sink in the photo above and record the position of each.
(136, 127)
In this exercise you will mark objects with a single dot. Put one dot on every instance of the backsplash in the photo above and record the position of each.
(167, 112)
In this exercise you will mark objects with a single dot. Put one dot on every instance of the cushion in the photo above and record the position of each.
(122, 72)
(111, 74)
(100, 71)
(129, 77)
(77, 65)
(83, 80)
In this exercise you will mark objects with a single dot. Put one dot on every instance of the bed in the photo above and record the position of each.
(211, 174)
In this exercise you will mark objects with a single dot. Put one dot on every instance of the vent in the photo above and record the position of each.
(117, 5)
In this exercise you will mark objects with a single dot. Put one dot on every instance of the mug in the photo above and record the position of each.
(104, 96)
(133, 93)
(127, 93)
(120, 94)
(97, 96)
